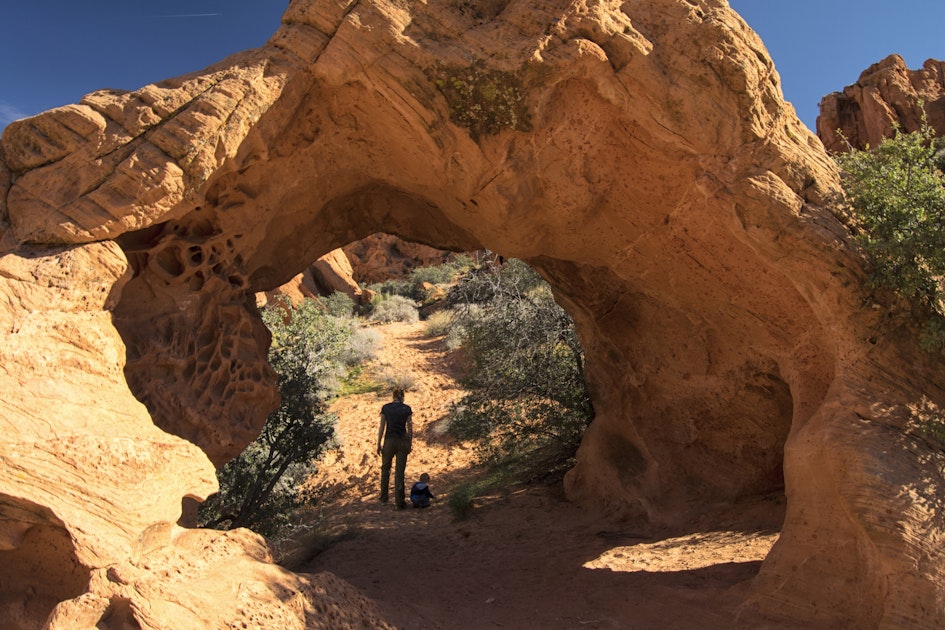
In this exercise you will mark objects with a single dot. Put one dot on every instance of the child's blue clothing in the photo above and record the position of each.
(420, 494)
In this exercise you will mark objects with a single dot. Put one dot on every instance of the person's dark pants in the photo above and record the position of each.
(399, 447)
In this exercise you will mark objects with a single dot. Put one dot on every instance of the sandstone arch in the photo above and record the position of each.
(638, 154)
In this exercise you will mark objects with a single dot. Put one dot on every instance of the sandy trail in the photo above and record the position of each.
(526, 558)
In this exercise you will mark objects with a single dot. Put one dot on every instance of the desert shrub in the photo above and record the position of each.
(898, 193)
(525, 366)
(362, 346)
(260, 487)
(435, 274)
(460, 500)
(390, 287)
(395, 308)
(492, 278)
(392, 378)
(439, 323)
(457, 331)
(339, 304)
(412, 286)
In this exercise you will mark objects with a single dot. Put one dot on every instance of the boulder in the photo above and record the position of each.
(333, 273)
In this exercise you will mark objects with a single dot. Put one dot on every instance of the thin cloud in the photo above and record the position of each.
(9, 113)
(185, 15)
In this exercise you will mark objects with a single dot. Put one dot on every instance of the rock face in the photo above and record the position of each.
(638, 154)
(380, 257)
(888, 93)
(333, 272)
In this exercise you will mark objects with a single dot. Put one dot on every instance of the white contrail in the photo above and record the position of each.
(185, 15)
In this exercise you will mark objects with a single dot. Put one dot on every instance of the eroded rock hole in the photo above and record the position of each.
(168, 260)
(119, 616)
(38, 565)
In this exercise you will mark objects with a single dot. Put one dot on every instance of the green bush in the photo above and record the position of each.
(391, 287)
(525, 366)
(339, 304)
(412, 286)
(436, 274)
(460, 500)
(898, 193)
(260, 487)
(395, 308)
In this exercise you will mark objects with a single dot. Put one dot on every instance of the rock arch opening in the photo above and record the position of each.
(715, 411)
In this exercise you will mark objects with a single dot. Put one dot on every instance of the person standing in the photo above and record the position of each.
(394, 439)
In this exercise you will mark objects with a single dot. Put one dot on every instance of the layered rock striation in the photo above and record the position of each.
(638, 154)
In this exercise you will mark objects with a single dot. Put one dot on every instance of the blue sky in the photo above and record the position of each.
(55, 51)
(821, 46)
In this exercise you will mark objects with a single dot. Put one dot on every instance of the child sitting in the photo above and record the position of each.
(420, 494)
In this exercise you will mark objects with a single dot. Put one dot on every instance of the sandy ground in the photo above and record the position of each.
(526, 557)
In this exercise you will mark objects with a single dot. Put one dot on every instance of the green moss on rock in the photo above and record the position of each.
(483, 100)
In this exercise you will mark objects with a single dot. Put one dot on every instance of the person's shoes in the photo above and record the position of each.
(385, 500)
(401, 506)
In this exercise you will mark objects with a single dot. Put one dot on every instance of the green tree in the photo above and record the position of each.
(525, 371)
(260, 486)
(898, 193)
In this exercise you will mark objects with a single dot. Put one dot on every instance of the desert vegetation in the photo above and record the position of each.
(525, 366)
(897, 191)
(312, 351)
(525, 404)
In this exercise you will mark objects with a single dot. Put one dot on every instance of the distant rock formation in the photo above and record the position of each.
(333, 273)
(888, 93)
(639, 155)
(381, 257)
(370, 260)
(300, 287)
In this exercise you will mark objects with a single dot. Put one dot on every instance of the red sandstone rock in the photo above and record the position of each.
(333, 272)
(885, 95)
(638, 154)
(298, 288)
(380, 257)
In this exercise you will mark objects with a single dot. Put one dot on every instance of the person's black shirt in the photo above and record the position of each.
(396, 414)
